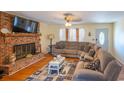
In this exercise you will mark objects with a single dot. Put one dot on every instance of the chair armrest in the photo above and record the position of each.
(88, 75)
(87, 57)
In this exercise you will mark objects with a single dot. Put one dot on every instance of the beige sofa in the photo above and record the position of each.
(108, 71)
(71, 49)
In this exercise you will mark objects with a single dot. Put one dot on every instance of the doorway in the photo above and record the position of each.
(102, 38)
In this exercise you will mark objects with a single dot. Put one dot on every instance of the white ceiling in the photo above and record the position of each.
(57, 17)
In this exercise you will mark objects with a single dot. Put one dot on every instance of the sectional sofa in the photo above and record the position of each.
(71, 49)
(108, 69)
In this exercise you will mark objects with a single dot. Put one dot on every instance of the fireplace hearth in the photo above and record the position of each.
(22, 50)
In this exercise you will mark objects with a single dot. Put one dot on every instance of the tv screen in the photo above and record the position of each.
(24, 26)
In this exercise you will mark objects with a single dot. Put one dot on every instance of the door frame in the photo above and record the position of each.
(107, 37)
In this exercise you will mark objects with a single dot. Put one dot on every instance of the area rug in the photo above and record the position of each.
(66, 73)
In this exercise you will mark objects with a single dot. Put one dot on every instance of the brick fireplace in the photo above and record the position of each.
(20, 44)
(22, 50)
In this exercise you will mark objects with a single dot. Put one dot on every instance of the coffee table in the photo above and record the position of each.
(55, 65)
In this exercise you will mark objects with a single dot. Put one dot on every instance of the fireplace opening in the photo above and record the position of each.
(22, 50)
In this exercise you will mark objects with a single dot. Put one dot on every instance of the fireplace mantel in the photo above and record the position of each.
(20, 34)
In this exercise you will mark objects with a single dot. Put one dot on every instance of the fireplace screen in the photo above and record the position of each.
(23, 50)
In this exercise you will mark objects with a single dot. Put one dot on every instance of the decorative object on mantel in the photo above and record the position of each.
(50, 37)
(5, 30)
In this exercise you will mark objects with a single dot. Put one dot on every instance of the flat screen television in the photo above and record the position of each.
(21, 25)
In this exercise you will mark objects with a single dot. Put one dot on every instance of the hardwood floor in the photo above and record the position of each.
(24, 73)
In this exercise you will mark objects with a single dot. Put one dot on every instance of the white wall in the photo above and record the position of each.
(46, 29)
(118, 40)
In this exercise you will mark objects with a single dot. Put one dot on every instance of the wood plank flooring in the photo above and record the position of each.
(24, 73)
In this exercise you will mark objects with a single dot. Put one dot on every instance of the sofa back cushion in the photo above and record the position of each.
(71, 45)
(91, 52)
(87, 48)
(112, 70)
(105, 58)
(60, 45)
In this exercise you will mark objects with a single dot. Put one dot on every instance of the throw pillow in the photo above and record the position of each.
(93, 65)
(86, 49)
(82, 48)
(97, 64)
(92, 52)
(56, 47)
(61, 46)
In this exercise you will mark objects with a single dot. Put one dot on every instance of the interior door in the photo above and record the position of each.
(102, 38)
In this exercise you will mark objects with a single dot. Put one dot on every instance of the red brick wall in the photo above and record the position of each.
(6, 21)
(7, 41)
(1, 49)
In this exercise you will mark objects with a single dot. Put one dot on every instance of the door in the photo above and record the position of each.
(102, 38)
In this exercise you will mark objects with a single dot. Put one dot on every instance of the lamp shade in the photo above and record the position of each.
(50, 36)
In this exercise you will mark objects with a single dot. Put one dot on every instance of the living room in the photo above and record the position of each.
(50, 37)
(61, 46)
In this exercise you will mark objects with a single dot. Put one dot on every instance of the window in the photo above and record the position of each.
(81, 35)
(101, 38)
(72, 34)
(62, 35)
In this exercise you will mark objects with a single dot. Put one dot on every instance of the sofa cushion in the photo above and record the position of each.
(95, 65)
(87, 48)
(79, 66)
(105, 58)
(58, 51)
(82, 54)
(92, 52)
(71, 45)
(112, 70)
(88, 75)
(60, 44)
(69, 51)
(82, 48)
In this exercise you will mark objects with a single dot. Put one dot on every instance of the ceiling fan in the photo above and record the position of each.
(69, 18)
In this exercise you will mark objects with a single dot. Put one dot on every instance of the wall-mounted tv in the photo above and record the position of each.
(21, 25)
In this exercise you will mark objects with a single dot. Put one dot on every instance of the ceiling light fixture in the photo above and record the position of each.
(68, 19)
